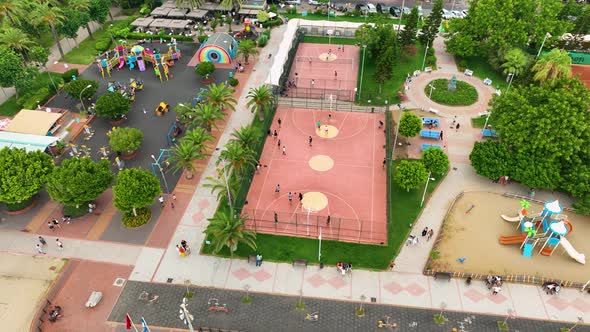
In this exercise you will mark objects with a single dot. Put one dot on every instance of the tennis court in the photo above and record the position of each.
(340, 176)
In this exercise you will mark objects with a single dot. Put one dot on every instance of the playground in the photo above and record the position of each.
(340, 177)
(476, 233)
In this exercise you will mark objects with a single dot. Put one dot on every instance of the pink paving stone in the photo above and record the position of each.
(198, 216)
(204, 203)
(261, 275)
(558, 303)
(316, 280)
(241, 273)
(415, 289)
(393, 287)
(337, 282)
(498, 298)
(581, 305)
(474, 295)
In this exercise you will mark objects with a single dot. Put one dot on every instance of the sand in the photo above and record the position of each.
(474, 236)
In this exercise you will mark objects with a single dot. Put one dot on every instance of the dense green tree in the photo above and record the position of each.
(25, 80)
(553, 66)
(12, 11)
(220, 96)
(39, 55)
(10, 67)
(582, 206)
(516, 61)
(16, 40)
(135, 189)
(78, 88)
(411, 174)
(408, 35)
(75, 20)
(247, 48)
(82, 7)
(461, 39)
(576, 180)
(205, 69)
(490, 159)
(47, 14)
(99, 10)
(78, 181)
(22, 174)
(260, 101)
(184, 154)
(410, 124)
(237, 157)
(432, 23)
(112, 105)
(125, 139)
(384, 69)
(227, 229)
(435, 161)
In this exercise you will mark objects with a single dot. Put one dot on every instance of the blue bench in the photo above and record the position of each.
(430, 121)
(489, 133)
(430, 146)
(430, 134)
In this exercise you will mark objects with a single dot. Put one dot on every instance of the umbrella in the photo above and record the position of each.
(137, 49)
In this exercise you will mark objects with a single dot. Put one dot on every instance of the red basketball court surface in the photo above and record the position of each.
(341, 176)
(583, 73)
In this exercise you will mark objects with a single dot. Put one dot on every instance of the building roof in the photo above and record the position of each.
(221, 39)
(169, 4)
(176, 12)
(160, 11)
(212, 6)
(33, 122)
(143, 22)
(197, 13)
(178, 24)
(25, 141)
(160, 23)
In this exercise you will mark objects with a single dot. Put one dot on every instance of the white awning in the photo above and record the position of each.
(26, 141)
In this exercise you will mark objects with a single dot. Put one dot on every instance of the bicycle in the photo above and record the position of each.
(386, 323)
(314, 316)
(215, 306)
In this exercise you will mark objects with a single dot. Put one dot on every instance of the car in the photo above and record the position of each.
(371, 8)
(447, 14)
(293, 2)
(314, 3)
(362, 8)
(458, 14)
(395, 11)
(381, 8)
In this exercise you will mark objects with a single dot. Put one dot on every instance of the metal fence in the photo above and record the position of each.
(302, 224)
(320, 29)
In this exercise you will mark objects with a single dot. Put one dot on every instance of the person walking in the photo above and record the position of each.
(335, 74)
(300, 198)
(39, 249)
(312, 83)
(50, 226)
(161, 200)
(55, 223)
(430, 234)
(258, 260)
(329, 115)
(319, 124)
(328, 220)
(441, 135)
(458, 125)
(424, 231)
(258, 168)
(326, 129)
(310, 140)
(279, 143)
(290, 198)
(278, 189)
(59, 244)
(279, 121)
(380, 124)
(276, 216)
(174, 197)
(384, 162)
(284, 150)
(275, 134)
(42, 241)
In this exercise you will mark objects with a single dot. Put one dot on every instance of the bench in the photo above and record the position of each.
(252, 258)
(443, 276)
(94, 299)
(430, 134)
(430, 121)
(428, 69)
(429, 146)
(300, 262)
(487, 81)
(489, 133)
(432, 110)
(468, 72)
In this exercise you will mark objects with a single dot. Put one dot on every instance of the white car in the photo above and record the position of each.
(447, 14)
(458, 14)
(314, 2)
(371, 8)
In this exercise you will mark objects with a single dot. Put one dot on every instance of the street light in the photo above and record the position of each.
(401, 112)
(362, 71)
(157, 162)
(431, 88)
(82, 101)
(510, 78)
(425, 51)
(426, 187)
(401, 13)
(186, 316)
(543, 43)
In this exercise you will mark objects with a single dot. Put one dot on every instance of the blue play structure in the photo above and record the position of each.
(429, 146)
(199, 98)
(489, 133)
(161, 161)
(131, 59)
(434, 122)
(430, 134)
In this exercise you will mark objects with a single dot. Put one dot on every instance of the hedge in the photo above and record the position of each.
(233, 81)
(143, 35)
(34, 98)
(272, 22)
(262, 40)
(67, 75)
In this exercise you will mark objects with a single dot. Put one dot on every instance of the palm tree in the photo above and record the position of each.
(206, 115)
(192, 4)
(16, 39)
(231, 4)
(515, 61)
(183, 156)
(237, 157)
(260, 100)
(227, 229)
(552, 66)
(221, 96)
(82, 6)
(246, 136)
(198, 137)
(12, 10)
(219, 186)
(52, 16)
(246, 48)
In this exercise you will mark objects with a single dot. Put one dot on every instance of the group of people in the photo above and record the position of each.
(183, 249)
(494, 283)
(344, 268)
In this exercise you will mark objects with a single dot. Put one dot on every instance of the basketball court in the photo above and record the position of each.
(582, 72)
(341, 176)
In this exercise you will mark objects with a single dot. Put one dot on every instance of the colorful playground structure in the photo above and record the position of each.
(249, 32)
(549, 227)
(128, 91)
(137, 56)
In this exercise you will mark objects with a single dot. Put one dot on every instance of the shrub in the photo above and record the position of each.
(431, 61)
(276, 21)
(202, 39)
(273, 8)
(67, 75)
(205, 69)
(262, 41)
(233, 81)
(266, 33)
(125, 139)
(142, 218)
(462, 64)
(33, 98)
(103, 45)
(430, 51)
(112, 106)
(465, 94)
(79, 88)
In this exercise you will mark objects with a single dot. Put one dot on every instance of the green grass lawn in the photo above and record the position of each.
(341, 18)
(85, 53)
(480, 121)
(483, 70)
(464, 94)
(10, 107)
(404, 209)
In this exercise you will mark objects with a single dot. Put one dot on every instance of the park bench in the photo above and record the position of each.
(489, 133)
(252, 258)
(428, 146)
(432, 110)
(300, 262)
(468, 72)
(443, 276)
(93, 300)
(430, 121)
(430, 134)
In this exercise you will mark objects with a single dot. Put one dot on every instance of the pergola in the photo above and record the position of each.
(160, 11)
(176, 12)
(197, 13)
(142, 22)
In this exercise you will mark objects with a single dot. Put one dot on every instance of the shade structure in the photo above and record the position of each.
(160, 23)
(137, 49)
(26, 141)
(142, 22)
(197, 13)
(177, 12)
(160, 11)
(33, 122)
(178, 24)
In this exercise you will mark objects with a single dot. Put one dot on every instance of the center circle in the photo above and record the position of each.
(327, 131)
(321, 163)
(314, 201)
(451, 92)
(328, 57)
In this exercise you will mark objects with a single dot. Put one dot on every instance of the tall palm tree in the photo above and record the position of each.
(552, 66)
(237, 157)
(221, 96)
(52, 16)
(12, 10)
(198, 137)
(16, 39)
(183, 156)
(192, 4)
(260, 100)
(218, 185)
(246, 48)
(206, 115)
(231, 4)
(226, 229)
(82, 6)
(515, 61)
(246, 136)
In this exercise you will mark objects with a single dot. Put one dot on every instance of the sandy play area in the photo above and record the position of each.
(24, 281)
(474, 236)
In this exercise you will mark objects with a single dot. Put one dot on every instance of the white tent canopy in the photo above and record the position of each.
(26, 141)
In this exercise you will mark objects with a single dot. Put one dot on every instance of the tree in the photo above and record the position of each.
(183, 156)
(76, 19)
(247, 48)
(192, 4)
(220, 96)
(10, 67)
(461, 40)
(220, 187)
(237, 157)
(82, 7)
(227, 229)
(260, 101)
(384, 70)
(78, 88)
(411, 174)
(576, 179)
(16, 40)
(125, 139)
(247, 137)
(262, 16)
(12, 10)
(135, 189)
(490, 159)
(435, 161)
(98, 11)
(206, 115)
(78, 181)
(22, 174)
(198, 137)
(39, 55)
(408, 35)
(410, 124)
(535, 170)
(553, 66)
(25, 79)
(515, 61)
(205, 69)
(432, 23)
(112, 105)
(582, 205)
(47, 14)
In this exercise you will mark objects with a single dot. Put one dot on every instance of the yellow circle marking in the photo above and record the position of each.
(321, 163)
(327, 131)
(314, 201)
(328, 57)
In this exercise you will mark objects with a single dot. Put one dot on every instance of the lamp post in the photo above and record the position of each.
(510, 78)
(396, 133)
(401, 13)
(431, 88)
(362, 71)
(157, 163)
(320, 247)
(424, 60)
(543, 44)
(186, 316)
(82, 101)
(426, 187)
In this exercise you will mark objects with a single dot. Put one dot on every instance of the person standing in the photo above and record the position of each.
(55, 223)
(319, 124)
(284, 150)
(258, 260)
(300, 198)
(310, 140)
(326, 129)
(279, 143)
(424, 231)
(458, 125)
(161, 200)
(430, 234)
(39, 249)
(335, 74)
(441, 135)
(312, 83)
(275, 134)
(59, 244)
(279, 121)
(50, 226)
(174, 197)
(290, 198)
(278, 189)
(42, 241)
(276, 216)
(328, 220)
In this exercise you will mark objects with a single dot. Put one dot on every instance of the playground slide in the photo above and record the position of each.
(512, 239)
(141, 65)
(511, 219)
(121, 62)
(580, 258)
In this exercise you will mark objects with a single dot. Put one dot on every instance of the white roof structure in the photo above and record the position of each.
(33, 122)
(26, 141)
